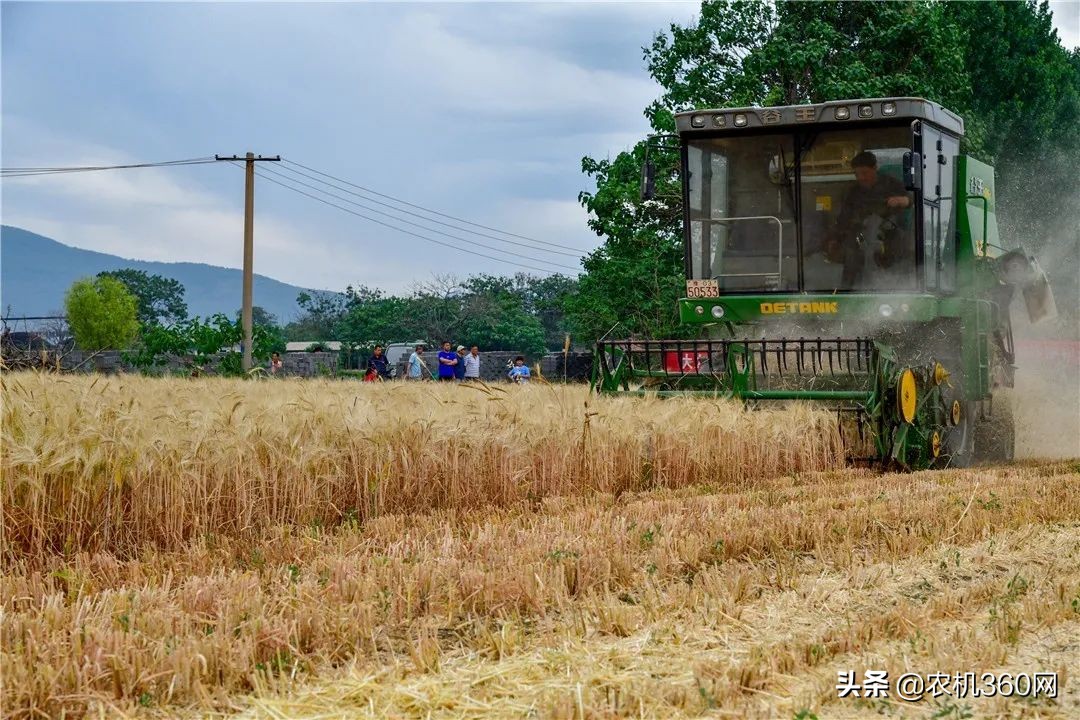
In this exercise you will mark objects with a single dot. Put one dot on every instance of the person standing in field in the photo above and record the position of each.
(520, 372)
(459, 369)
(276, 364)
(448, 360)
(416, 364)
(378, 366)
(472, 364)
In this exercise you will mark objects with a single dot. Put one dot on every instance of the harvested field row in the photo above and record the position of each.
(742, 596)
(118, 464)
(934, 612)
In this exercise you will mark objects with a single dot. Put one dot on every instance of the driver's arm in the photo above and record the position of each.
(896, 195)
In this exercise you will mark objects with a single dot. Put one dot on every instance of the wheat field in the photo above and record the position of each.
(332, 549)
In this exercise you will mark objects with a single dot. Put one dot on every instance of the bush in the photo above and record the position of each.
(102, 313)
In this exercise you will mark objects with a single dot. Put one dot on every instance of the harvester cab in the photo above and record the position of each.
(844, 253)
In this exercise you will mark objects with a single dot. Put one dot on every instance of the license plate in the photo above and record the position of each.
(702, 288)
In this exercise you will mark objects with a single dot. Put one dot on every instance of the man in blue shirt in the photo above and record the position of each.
(448, 360)
(378, 367)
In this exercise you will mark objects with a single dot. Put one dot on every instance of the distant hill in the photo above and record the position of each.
(35, 271)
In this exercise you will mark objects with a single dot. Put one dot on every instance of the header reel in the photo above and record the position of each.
(906, 416)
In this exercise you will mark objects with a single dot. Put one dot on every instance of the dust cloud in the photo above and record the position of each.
(1046, 395)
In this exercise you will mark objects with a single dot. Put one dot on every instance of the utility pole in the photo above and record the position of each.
(249, 244)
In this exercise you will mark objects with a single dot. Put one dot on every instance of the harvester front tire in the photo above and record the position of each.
(960, 439)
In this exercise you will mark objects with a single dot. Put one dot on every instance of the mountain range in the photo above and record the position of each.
(36, 271)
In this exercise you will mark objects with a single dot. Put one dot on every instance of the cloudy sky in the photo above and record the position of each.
(482, 111)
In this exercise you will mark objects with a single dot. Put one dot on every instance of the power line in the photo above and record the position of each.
(418, 225)
(428, 210)
(425, 219)
(30, 171)
(422, 237)
(402, 230)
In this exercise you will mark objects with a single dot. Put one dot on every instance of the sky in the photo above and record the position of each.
(479, 110)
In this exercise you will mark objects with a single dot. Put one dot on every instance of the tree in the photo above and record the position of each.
(102, 313)
(201, 341)
(632, 279)
(541, 297)
(266, 323)
(1022, 119)
(160, 299)
(321, 313)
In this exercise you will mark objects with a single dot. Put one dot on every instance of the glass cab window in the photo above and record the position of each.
(855, 220)
(741, 213)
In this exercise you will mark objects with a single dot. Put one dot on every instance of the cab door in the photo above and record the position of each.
(939, 151)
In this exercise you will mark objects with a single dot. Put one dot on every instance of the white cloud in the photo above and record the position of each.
(470, 77)
(1067, 21)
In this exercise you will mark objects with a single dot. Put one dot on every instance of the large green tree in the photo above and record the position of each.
(320, 314)
(998, 64)
(160, 299)
(102, 313)
(1023, 119)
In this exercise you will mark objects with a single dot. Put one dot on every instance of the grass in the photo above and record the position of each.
(729, 590)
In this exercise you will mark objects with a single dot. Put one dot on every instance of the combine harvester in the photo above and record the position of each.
(843, 253)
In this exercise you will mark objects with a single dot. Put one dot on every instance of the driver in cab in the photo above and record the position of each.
(873, 197)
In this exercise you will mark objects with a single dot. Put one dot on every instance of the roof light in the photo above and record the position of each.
(740, 120)
(842, 113)
(866, 111)
(888, 108)
(719, 120)
(698, 121)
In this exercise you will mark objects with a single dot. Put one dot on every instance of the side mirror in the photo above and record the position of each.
(648, 180)
(912, 170)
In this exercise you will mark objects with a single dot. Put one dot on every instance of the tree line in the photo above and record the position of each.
(147, 316)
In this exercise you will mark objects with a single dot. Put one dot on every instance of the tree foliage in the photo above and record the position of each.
(522, 312)
(999, 65)
(201, 341)
(160, 299)
(102, 313)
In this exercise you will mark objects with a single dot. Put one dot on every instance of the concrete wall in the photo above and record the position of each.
(575, 367)
(295, 364)
(309, 364)
(578, 365)
(492, 364)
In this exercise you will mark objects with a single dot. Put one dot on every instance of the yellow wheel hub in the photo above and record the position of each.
(940, 374)
(954, 413)
(906, 396)
(935, 444)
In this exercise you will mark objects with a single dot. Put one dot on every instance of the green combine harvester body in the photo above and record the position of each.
(843, 253)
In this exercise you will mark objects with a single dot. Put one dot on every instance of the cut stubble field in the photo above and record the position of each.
(330, 549)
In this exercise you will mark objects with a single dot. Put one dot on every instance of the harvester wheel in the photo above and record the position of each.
(995, 439)
(959, 440)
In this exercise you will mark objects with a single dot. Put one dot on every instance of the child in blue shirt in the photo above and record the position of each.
(520, 372)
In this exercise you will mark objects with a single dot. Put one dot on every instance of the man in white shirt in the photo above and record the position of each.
(472, 364)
